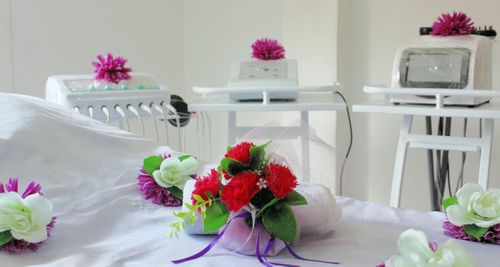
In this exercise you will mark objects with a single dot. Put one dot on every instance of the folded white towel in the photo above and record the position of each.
(318, 217)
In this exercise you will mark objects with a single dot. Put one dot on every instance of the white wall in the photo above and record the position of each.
(184, 43)
(217, 32)
(62, 37)
(377, 28)
(191, 42)
(5, 47)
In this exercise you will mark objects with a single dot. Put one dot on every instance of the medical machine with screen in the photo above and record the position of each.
(444, 62)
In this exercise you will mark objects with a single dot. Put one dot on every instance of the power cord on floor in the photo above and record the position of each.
(350, 141)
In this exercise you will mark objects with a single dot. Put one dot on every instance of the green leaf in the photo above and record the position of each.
(183, 157)
(198, 198)
(257, 155)
(189, 206)
(295, 199)
(233, 166)
(474, 230)
(152, 164)
(228, 148)
(215, 217)
(192, 218)
(279, 221)
(269, 204)
(175, 191)
(449, 202)
(5, 237)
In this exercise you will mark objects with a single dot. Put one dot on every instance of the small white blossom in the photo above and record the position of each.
(262, 183)
(475, 206)
(26, 218)
(174, 172)
(414, 251)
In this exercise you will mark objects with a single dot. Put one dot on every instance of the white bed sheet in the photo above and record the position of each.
(89, 172)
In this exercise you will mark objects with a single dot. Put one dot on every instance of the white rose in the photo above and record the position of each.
(414, 251)
(475, 206)
(174, 172)
(27, 218)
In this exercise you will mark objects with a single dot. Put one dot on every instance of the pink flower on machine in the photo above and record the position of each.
(267, 49)
(457, 23)
(111, 69)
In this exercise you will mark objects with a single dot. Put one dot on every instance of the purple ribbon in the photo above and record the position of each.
(212, 244)
(266, 252)
(262, 258)
(305, 259)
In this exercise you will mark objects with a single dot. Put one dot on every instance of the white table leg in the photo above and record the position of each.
(231, 128)
(304, 120)
(484, 161)
(399, 165)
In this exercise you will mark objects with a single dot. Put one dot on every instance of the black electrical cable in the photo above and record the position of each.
(430, 161)
(460, 180)
(447, 158)
(350, 141)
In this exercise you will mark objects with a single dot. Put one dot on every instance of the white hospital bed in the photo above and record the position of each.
(89, 172)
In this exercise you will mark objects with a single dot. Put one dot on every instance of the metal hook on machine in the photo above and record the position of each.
(136, 113)
(105, 110)
(120, 111)
(165, 118)
(91, 111)
(150, 112)
(173, 111)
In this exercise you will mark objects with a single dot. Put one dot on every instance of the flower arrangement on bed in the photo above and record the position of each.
(248, 199)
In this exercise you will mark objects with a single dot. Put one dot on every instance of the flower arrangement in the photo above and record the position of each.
(415, 250)
(111, 69)
(267, 49)
(457, 23)
(162, 178)
(473, 214)
(249, 190)
(25, 219)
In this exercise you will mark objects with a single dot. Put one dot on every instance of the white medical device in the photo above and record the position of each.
(438, 62)
(140, 97)
(264, 74)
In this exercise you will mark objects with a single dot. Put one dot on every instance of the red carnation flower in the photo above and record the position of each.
(241, 152)
(209, 183)
(240, 190)
(279, 179)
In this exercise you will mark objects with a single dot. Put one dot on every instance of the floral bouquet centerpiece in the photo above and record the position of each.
(162, 178)
(249, 201)
(25, 218)
(473, 214)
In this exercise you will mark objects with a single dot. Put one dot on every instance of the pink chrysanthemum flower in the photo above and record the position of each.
(267, 49)
(457, 23)
(492, 236)
(111, 69)
(152, 190)
(18, 246)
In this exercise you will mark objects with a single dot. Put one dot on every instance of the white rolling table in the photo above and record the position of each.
(487, 112)
(315, 98)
